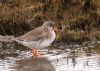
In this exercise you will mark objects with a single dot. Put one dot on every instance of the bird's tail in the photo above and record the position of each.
(6, 38)
(16, 40)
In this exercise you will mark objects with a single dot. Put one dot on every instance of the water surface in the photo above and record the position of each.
(76, 58)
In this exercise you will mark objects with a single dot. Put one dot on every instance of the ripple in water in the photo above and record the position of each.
(77, 59)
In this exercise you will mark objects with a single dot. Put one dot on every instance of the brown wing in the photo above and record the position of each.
(32, 35)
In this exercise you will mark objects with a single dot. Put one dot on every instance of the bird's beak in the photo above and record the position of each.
(56, 29)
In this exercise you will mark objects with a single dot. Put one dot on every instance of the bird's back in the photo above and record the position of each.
(31, 35)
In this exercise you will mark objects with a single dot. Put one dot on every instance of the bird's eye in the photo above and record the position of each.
(51, 25)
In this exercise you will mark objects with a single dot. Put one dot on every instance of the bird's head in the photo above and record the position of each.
(49, 25)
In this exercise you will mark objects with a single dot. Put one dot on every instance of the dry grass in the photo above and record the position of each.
(74, 16)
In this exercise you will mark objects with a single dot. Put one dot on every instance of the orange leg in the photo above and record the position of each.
(36, 52)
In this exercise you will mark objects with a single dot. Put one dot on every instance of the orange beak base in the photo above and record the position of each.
(56, 29)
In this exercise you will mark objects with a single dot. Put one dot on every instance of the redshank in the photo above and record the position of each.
(38, 38)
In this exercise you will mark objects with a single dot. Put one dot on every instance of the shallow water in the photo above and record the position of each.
(76, 58)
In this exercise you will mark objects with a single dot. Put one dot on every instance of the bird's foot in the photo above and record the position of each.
(36, 53)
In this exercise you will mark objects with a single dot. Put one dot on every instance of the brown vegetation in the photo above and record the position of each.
(78, 19)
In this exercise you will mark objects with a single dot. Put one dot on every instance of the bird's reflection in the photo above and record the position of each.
(34, 64)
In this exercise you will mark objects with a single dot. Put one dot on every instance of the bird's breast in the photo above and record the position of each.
(47, 41)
